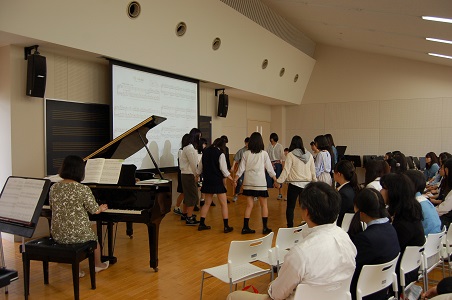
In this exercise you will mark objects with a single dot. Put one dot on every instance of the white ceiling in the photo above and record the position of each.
(389, 27)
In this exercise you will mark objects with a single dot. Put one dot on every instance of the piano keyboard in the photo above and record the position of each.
(123, 211)
(112, 211)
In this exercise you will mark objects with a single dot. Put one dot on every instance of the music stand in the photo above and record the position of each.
(340, 152)
(21, 202)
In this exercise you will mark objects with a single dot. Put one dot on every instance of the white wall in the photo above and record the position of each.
(5, 115)
(375, 103)
(105, 28)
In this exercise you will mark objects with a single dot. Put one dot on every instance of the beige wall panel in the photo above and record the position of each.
(352, 115)
(58, 78)
(27, 122)
(446, 115)
(359, 141)
(87, 81)
(412, 113)
(5, 114)
(411, 141)
(306, 116)
(446, 140)
(258, 111)
(343, 75)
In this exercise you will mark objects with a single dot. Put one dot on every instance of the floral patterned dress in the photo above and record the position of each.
(70, 202)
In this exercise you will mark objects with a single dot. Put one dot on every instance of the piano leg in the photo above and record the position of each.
(129, 229)
(153, 232)
(110, 241)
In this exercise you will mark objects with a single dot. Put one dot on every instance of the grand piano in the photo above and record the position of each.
(146, 201)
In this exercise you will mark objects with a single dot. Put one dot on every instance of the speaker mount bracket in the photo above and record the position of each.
(27, 50)
(217, 90)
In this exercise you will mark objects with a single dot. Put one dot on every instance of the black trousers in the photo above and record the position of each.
(293, 192)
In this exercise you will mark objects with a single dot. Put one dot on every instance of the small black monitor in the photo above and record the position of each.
(422, 163)
(355, 159)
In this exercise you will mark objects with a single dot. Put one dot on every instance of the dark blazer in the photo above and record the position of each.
(347, 195)
(375, 245)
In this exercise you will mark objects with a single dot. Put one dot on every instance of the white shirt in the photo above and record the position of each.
(254, 166)
(188, 160)
(276, 152)
(445, 206)
(375, 184)
(326, 255)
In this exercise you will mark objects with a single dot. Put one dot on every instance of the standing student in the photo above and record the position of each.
(202, 146)
(188, 166)
(329, 137)
(276, 153)
(324, 160)
(213, 166)
(345, 176)
(237, 159)
(314, 149)
(254, 163)
(71, 202)
(177, 210)
(299, 170)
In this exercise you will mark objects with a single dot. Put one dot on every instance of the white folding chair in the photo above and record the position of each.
(411, 260)
(374, 278)
(286, 239)
(448, 251)
(336, 291)
(240, 257)
(432, 255)
(346, 221)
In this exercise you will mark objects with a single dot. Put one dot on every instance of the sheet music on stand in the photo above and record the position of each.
(21, 202)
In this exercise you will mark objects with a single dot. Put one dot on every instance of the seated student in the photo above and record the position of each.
(374, 170)
(378, 243)
(431, 221)
(436, 180)
(326, 254)
(443, 291)
(345, 176)
(397, 164)
(445, 208)
(431, 165)
(406, 212)
(70, 202)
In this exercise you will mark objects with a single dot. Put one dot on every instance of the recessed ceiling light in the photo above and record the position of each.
(436, 19)
(440, 55)
(439, 40)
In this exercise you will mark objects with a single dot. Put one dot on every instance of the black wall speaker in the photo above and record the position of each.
(36, 75)
(222, 105)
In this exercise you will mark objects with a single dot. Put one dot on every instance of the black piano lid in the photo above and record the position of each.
(127, 143)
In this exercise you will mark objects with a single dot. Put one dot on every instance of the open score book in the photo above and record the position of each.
(102, 170)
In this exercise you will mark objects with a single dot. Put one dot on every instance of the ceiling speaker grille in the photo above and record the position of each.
(268, 19)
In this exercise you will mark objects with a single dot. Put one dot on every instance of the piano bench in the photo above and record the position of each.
(47, 250)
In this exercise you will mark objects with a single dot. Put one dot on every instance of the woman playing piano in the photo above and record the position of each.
(70, 202)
